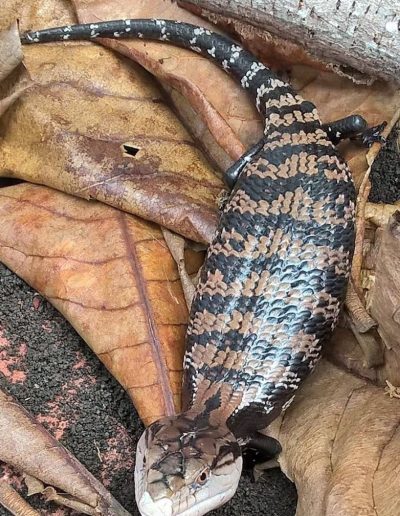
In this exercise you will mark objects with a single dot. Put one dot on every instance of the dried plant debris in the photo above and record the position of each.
(27, 446)
(341, 444)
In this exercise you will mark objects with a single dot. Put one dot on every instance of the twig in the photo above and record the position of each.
(51, 494)
(362, 198)
(372, 349)
(359, 316)
(14, 502)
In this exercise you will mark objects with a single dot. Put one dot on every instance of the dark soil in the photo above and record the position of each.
(385, 173)
(55, 376)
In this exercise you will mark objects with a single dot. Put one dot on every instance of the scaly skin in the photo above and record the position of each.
(270, 289)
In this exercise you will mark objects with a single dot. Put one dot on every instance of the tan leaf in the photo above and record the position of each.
(112, 276)
(231, 118)
(27, 446)
(341, 446)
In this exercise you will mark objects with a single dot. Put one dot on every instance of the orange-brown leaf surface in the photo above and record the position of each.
(341, 446)
(73, 128)
(112, 276)
(27, 446)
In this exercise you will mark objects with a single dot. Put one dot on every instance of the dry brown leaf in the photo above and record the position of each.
(341, 446)
(345, 352)
(176, 244)
(231, 118)
(27, 446)
(112, 276)
(69, 132)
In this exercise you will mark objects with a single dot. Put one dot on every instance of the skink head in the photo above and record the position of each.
(185, 467)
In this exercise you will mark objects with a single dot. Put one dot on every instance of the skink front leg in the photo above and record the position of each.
(354, 127)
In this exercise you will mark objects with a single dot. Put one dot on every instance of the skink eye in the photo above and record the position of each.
(202, 478)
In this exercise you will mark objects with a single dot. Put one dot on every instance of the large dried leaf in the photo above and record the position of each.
(69, 132)
(341, 446)
(112, 276)
(26, 445)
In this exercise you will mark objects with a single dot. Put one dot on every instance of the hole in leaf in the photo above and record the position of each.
(130, 149)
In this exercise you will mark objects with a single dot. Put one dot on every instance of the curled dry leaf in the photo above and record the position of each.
(341, 446)
(384, 298)
(112, 276)
(176, 244)
(27, 446)
(10, 51)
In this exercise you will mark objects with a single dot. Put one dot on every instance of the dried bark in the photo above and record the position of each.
(363, 35)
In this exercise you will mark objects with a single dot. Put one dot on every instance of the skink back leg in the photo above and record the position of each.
(233, 172)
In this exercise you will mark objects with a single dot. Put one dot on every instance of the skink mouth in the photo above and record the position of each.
(149, 507)
(164, 506)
